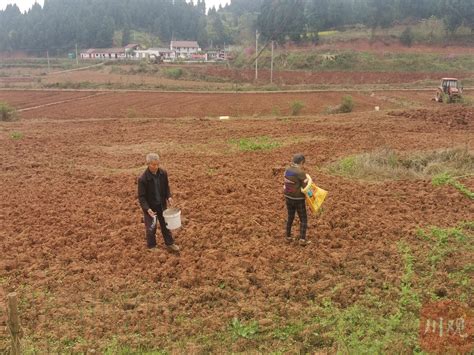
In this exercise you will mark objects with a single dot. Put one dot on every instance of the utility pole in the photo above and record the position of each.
(77, 59)
(256, 55)
(47, 56)
(271, 67)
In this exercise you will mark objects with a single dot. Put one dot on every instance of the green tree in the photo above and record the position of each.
(279, 19)
(381, 13)
(457, 13)
(105, 33)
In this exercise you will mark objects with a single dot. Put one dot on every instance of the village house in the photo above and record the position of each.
(110, 53)
(165, 54)
(185, 49)
(216, 55)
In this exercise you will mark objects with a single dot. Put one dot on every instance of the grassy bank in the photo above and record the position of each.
(344, 60)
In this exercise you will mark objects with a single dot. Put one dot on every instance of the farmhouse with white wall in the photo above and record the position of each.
(165, 53)
(185, 49)
(109, 53)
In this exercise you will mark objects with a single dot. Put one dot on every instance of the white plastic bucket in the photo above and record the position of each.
(172, 218)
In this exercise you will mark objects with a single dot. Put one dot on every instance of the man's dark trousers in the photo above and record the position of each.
(296, 206)
(151, 232)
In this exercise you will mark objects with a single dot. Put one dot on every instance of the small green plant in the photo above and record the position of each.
(276, 111)
(447, 179)
(211, 171)
(240, 330)
(16, 135)
(256, 143)
(7, 112)
(347, 164)
(173, 73)
(296, 107)
(347, 104)
(409, 298)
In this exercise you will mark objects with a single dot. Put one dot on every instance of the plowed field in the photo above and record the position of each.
(72, 242)
(103, 104)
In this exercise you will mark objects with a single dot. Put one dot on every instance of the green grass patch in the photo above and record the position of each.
(387, 164)
(345, 60)
(256, 143)
(447, 179)
(16, 135)
(7, 112)
(42, 63)
(73, 85)
(173, 73)
(446, 250)
(387, 322)
(241, 330)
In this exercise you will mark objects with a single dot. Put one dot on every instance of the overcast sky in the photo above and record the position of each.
(26, 4)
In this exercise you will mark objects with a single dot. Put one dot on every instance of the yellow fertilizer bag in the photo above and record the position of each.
(314, 195)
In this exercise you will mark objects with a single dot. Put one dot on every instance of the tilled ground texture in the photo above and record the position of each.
(72, 240)
(56, 104)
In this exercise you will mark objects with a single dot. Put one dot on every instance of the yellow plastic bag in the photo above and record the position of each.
(314, 195)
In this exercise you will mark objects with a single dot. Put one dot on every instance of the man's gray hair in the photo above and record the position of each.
(152, 157)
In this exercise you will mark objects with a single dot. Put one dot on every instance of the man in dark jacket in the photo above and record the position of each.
(154, 196)
(295, 179)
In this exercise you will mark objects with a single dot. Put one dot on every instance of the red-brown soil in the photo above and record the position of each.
(300, 77)
(161, 104)
(72, 241)
(451, 116)
(26, 99)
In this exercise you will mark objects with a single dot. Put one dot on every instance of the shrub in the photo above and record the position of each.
(296, 107)
(347, 104)
(7, 113)
(173, 73)
(388, 164)
(407, 37)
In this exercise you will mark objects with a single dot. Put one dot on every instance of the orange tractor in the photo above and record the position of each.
(450, 90)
